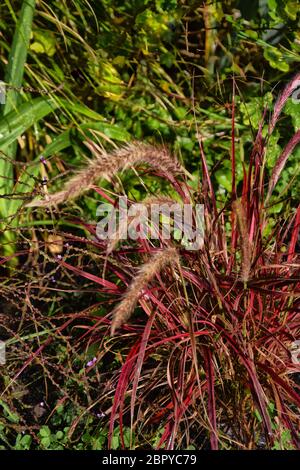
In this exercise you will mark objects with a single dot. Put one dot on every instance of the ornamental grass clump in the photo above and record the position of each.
(204, 338)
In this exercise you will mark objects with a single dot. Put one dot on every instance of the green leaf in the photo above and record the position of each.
(12, 417)
(273, 150)
(126, 435)
(12, 126)
(112, 131)
(26, 441)
(14, 76)
(115, 442)
(223, 177)
(44, 43)
(79, 108)
(257, 415)
(21, 119)
(276, 208)
(292, 8)
(59, 435)
(251, 33)
(46, 441)
(98, 442)
(60, 409)
(18, 54)
(276, 59)
(45, 431)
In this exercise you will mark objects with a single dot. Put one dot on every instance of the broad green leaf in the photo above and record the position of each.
(12, 126)
(18, 54)
(112, 131)
(18, 121)
(46, 441)
(82, 109)
(14, 76)
(45, 431)
(12, 417)
(44, 43)
(276, 59)
(292, 8)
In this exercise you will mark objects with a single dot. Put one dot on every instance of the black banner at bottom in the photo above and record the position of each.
(148, 459)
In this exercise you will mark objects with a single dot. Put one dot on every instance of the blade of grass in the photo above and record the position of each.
(211, 398)
(12, 125)
(14, 76)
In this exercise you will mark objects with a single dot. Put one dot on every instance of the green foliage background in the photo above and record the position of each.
(156, 70)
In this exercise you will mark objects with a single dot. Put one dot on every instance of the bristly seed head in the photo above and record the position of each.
(147, 272)
(106, 165)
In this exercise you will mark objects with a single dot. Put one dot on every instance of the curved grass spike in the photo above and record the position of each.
(281, 162)
(108, 164)
(282, 159)
(282, 99)
(156, 263)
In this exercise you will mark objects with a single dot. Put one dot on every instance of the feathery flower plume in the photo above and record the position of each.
(108, 164)
(282, 99)
(281, 162)
(147, 272)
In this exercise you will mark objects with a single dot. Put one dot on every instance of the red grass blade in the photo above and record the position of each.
(121, 389)
(111, 287)
(211, 398)
(294, 237)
